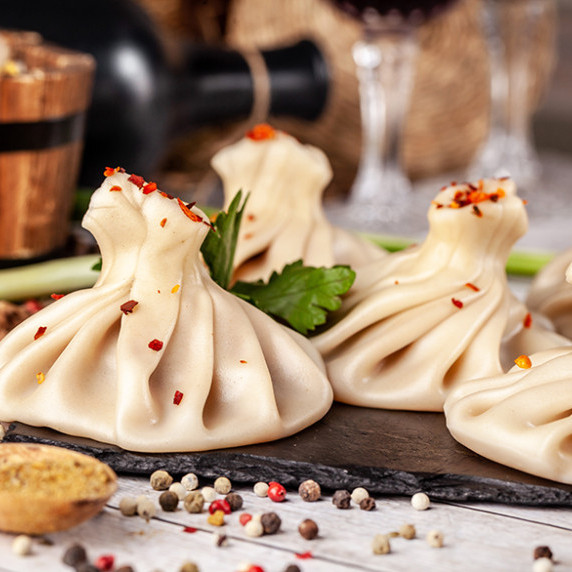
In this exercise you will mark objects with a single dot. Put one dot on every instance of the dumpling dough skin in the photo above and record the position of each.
(421, 321)
(243, 377)
(284, 220)
(551, 294)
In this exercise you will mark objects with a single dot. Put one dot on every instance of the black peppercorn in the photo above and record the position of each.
(234, 500)
(87, 567)
(169, 501)
(542, 552)
(308, 529)
(75, 555)
(125, 569)
(292, 568)
(270, 522)
(342, 499)
(367, 503)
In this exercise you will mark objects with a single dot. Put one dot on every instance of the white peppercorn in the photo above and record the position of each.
(435, 538)
(179, 490)
(209, 494)
(160, 480)
(22, 545)
(260, 489)
(254, 528)
(380, 544)
(222, 485)
(194, 502)
(420, 501)
(407, 531)
(358, 494)
(542, 564)
(146, 508)
(190, 481)
(128, 506)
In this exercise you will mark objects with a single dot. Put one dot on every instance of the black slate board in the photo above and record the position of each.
(388, 452)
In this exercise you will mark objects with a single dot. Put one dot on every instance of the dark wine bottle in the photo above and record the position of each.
(145, 95)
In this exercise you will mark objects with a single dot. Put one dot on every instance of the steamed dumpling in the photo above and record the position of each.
(156, 357)
(421, 321)
(551, 294)
(522, 419)
(284, 220)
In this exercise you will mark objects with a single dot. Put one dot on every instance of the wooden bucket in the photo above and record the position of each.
(42, 116)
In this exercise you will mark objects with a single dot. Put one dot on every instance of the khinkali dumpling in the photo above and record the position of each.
(284, 220)
(156, 357)
(420, 321)
(522, 419)
(551, 295)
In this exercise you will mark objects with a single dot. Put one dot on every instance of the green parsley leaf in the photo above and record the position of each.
(300, 295)
(219, 245)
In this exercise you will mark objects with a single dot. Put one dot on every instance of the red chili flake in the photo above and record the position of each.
(254, 568)
(136, 180)
(261, 132)
(457, 303)
(111, 171)
(105, 562)
(247, 235)
(472, 187)
(244, 518)
(115, 188)
(33, 306)
(178, 397)
(243, 361)
(527, 322)
(188, 212)
(276, 492)
(166, 195)
(250, 217)
(41, 377)
(453, 184)
(163, 222)
(127, 307)
(149, 188)
(523, 362)
(477, 211)
(219, 504)
(472, 287)
(157, 345)
(56, 296)
(437, 205)
(189, 529)
(41, 331)
(524, 202)
(396, 282)
(304, 555)
(503, 178)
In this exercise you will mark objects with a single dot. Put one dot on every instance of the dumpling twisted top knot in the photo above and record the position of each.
(420, 321)
(284, 220)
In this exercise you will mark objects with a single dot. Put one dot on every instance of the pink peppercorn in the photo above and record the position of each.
(254, 568)
(276, 492)
(105, 562)
(244, 518)
(219, 504)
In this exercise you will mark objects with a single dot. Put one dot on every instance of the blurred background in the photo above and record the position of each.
(194, 75)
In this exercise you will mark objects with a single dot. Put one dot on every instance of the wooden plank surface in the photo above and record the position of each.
(477, 537)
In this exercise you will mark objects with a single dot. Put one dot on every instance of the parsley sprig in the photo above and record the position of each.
(300, 296)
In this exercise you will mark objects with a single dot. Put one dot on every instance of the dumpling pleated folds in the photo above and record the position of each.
(156, 357)
(522, 419)
(284, 220)
(421, 321)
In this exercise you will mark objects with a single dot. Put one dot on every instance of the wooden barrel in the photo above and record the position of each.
(42, 116)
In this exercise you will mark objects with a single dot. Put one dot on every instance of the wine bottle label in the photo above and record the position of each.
(37, 135)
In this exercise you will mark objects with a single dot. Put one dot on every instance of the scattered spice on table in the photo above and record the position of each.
(194, 502)
(22, 545)
(146, 508)
(308, 529)
(161, 480)
(276, 492)
(435, 538)
(220, 504)
(209, 494)
(254, 528)
(222, 485)
(309, 491)
(368, 503)
(271, 522)
(359, 494)
(128, 506)
(168, 500)
(342, 499)
(179, 490)
(542, 552)
(420, 501)
(216, 518)
(190, 481)
(407, 531)
(234, 500)
(381, 544)
(260, 489)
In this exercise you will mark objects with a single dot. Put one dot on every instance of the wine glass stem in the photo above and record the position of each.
(385, 64)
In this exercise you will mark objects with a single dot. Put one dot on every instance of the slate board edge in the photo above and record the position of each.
(247, 469)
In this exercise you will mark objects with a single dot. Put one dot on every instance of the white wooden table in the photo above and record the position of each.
(477, 537)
